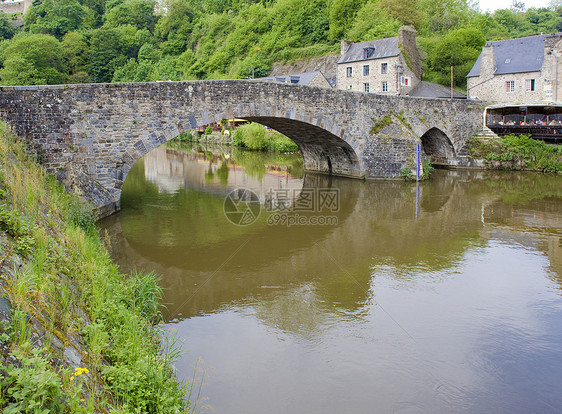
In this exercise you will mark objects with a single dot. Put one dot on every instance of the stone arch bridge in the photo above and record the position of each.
(91, 135)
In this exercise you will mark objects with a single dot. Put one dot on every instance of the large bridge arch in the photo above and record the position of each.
(91, 135)
(322, 151)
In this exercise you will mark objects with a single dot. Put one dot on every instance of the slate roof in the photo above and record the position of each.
(297, 78)
(382, 48)
(525, 54)
(426, 89)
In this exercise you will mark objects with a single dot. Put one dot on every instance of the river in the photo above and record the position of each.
(344, 296)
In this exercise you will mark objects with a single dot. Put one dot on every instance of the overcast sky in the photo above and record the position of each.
(491, 5)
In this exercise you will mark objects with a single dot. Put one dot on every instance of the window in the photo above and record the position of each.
(385, 86)
(529, 85)
(404, 81)
(510, 86)
(365, 70)
(384, 68)
(366, 87)
(349, 71)
(348, 87)
(368, 52)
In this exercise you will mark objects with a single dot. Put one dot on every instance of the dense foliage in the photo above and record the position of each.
(145, 40)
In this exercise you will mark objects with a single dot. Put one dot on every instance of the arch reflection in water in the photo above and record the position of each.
(459, 307)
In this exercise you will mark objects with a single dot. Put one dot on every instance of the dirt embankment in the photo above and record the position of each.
(326, 64)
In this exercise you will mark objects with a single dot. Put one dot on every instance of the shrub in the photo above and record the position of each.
(254, 136)
(519, 152)
(32, 387)
(281, 143)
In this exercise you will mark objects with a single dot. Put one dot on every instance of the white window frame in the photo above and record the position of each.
(366, 70)
(530, 85)
(349, 71)
(510, 86)
(385, 86)
(366, 87)
(349, 87)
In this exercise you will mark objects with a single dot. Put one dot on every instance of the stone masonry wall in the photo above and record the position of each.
(376, 78)
(494, 89)
(92, 135)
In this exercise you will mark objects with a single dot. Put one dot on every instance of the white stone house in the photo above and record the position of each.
(518, 71)
(388, 66)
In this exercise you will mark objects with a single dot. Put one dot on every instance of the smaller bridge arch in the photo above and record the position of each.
(437, 145)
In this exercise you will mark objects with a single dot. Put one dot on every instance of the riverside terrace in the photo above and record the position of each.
(540, 121)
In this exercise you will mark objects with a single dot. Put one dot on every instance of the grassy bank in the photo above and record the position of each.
(76, 335)
(518, 153)
(253, 136)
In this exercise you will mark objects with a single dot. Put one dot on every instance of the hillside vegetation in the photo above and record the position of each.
(76, 335)
(144, 40)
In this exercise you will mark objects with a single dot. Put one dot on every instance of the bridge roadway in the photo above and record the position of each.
(91, 135)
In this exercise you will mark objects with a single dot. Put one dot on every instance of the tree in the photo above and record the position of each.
(7, 30)
(372, 23)
(33, 60)
(444, 15)
(137, 13)
(57, 17)
(459, 48)
(405, 11)
(75, 49)
(106, 45)
(342, 13)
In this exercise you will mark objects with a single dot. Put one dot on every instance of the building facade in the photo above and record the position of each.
(380, 66)
(518, 71)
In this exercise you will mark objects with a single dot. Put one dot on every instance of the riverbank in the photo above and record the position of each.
(76, 335)
(252, 136)
(518, 153)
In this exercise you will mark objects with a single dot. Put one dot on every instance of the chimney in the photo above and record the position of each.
(344, 46)
(487, 62)
(407, 43)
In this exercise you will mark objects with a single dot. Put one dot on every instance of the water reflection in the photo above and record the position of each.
(454, 309)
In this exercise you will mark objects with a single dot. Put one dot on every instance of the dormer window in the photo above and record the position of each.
(368, 52)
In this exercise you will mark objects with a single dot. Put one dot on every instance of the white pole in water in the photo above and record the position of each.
(417, 162)
(451, 83)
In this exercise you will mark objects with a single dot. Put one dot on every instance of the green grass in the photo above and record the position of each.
(69, 285)
(519, 153)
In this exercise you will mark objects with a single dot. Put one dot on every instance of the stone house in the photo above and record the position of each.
(388, 66)
(517, 71)
(309, 78)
